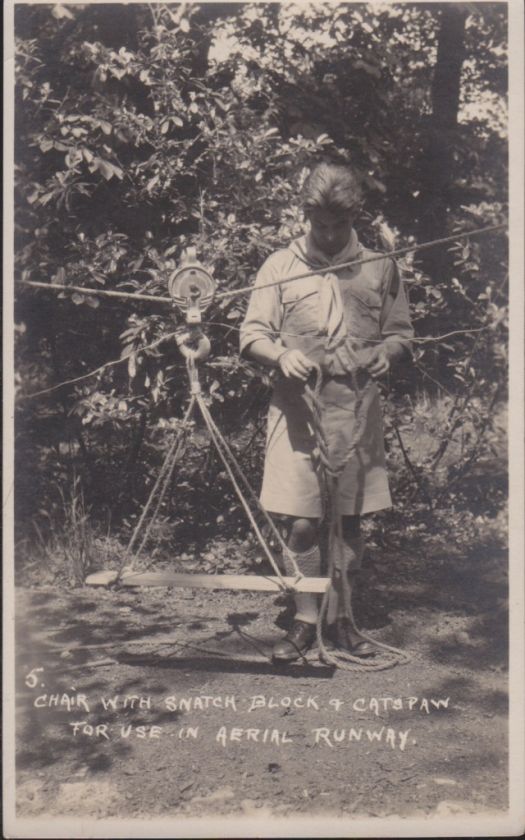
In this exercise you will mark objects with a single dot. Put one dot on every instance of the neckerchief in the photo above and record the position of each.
(339, 355)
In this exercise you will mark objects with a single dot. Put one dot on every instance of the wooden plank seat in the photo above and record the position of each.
(255, 583)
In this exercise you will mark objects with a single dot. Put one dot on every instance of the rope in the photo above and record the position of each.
(352, 263)
(244, 290)
(163, 480)
(166, 471)
(100, 292)
(337, 570)
(177, 454)
(101, 368)
(314, 398)
(248, 290)
(415, 340)
(263, 655)
(218, 440)
(269, 521)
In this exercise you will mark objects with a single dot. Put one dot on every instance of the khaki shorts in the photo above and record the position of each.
(292, 481)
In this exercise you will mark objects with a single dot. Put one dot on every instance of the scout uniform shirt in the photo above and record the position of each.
(334, 321)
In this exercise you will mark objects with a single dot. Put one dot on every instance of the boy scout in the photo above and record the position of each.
(353, 326)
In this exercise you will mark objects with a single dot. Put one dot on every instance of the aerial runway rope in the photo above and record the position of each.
(246, 290)
(337, 572)
(55, 287)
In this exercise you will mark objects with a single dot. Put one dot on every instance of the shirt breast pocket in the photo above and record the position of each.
(363, 313)
(300, 308)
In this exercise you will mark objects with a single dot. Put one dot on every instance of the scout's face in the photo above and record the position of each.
(330, 231)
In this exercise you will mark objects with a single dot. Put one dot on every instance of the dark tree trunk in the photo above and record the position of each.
(439, 164)
(207, 15)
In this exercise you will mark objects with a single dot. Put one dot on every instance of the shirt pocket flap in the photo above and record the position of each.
(299, 289)
(366, 297)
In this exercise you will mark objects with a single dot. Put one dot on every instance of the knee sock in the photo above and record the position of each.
(309, 564)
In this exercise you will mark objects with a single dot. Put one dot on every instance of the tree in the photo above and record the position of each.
(440, 168)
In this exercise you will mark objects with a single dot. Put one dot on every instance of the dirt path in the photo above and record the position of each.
(226, 732)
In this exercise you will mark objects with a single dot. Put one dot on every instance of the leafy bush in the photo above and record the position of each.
(143, 129)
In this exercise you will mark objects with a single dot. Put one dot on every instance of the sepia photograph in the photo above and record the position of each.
(263, 305)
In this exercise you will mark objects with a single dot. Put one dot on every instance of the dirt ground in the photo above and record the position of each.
(225, 732)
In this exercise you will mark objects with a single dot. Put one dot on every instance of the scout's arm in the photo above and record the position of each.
(396, 327)
(261, 327)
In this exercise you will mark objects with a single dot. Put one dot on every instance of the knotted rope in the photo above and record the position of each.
(340, 587)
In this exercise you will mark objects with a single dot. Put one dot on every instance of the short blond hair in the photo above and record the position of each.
(334, 187)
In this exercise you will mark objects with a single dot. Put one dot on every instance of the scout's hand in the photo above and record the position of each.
(378, 362)
(295, 364)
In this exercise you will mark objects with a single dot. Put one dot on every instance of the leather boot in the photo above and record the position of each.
(296, 643)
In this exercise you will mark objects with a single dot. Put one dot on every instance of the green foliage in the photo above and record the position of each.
(143, 129)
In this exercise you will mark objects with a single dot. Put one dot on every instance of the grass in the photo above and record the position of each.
(63, 544)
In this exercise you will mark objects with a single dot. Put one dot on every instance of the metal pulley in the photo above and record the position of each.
(191, 287)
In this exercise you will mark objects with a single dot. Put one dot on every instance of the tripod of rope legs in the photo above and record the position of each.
(126, 575)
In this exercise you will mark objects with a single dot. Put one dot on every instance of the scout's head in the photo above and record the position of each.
(331, 199)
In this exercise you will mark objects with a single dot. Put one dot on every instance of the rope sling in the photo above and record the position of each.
(235, 473)
(195, 347)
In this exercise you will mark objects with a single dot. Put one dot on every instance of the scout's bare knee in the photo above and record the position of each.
(303, 534)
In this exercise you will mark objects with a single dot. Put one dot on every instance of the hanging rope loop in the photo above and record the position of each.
(193, 344)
